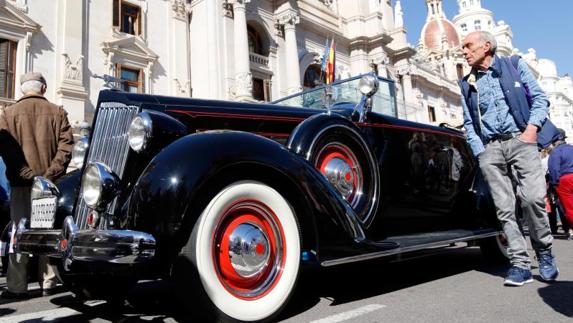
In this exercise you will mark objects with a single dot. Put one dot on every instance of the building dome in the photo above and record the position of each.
(547, 68)
(439, 34)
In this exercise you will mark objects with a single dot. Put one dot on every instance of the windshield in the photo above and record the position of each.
(345, 93)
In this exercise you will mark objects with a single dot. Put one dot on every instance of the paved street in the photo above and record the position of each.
(454, 285)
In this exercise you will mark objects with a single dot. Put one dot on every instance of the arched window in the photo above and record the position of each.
(255, 41)
(312, 76)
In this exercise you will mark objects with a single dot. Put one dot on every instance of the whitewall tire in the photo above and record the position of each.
(247, 251)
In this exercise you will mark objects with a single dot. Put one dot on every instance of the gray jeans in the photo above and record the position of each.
(518, 161)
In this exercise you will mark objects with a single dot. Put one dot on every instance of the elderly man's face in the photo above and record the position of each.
(474, 49)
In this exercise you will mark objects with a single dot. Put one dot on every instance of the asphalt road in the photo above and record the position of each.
(452, 285)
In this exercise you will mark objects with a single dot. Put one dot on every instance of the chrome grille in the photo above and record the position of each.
(108, 145)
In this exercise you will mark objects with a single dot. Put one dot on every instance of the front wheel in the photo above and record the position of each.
(245, 248)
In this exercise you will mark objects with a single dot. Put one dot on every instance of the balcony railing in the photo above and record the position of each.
(262, 61)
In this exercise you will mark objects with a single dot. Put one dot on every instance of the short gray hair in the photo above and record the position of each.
(487, 37)
(31, 86)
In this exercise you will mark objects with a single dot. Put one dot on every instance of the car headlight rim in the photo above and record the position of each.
(79, 152)
(92, 186)
(43, 187)
(368, 85)
(140, 131)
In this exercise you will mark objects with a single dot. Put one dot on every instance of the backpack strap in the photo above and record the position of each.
(515, 60)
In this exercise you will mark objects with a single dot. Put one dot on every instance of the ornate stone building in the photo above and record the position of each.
(234, 49)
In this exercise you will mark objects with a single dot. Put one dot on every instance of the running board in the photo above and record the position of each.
(410, 243)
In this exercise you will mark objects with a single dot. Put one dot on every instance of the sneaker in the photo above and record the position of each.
(517, 276)
(547, 268)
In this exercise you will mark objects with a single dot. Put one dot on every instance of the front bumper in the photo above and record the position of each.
(112, 246)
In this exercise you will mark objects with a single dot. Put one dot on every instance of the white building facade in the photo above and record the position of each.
(248, 50)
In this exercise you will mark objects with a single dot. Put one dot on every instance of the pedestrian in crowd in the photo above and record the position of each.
(43, 137)
(504, 109)
(561, 175)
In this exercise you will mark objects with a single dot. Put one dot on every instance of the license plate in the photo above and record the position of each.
(43, 213)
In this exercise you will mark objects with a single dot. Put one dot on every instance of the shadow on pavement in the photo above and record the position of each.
(348, 283)
(154, 301)
(559, 295)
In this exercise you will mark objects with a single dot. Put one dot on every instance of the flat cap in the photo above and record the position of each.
(32, 76)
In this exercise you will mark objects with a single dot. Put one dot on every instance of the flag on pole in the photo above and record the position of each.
(330, 67)
(325, 57)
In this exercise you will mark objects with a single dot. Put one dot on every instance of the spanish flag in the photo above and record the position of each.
(329, 62)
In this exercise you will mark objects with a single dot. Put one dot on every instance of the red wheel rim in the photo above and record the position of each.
(336, 150)
(258, 217)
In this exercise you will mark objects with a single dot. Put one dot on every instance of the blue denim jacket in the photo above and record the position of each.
(495, 113)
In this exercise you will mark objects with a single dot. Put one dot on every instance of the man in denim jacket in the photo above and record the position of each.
(502, 126)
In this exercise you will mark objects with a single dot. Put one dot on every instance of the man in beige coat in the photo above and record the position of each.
(45, 139)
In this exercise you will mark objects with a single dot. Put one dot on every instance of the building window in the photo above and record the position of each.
(255, 42)
(127, 17)
(464, 27)
(463, 4)
(261, 89)
(471, 2)
(7, 68)
(477, 24)
(131, 79)
(431, 114)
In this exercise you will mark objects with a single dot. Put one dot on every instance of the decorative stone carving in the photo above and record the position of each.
(327, 3)
(288, 19)
(73, 71)
(228, 6)
(179, 9)
(108, 62)
(285, 21)
(243, 85)
(21, 5)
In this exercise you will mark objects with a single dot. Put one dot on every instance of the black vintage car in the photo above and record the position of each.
(232, 199)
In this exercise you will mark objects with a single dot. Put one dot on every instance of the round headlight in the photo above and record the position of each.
(92, 185)
(368, 85)
(79, 152)
(43, 187)
(139, 132)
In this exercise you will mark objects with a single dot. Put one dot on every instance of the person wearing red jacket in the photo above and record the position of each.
(561, 174)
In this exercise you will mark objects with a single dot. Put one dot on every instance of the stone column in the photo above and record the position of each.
(70, 88)
(288, 20)
(179, 42)
(243, 78)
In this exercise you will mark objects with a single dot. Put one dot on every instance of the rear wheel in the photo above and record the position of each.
(245, 249)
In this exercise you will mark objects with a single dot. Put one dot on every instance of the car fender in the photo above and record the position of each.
(318, 131)
(178, 183)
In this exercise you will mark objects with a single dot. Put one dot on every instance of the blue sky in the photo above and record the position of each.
(546, 25)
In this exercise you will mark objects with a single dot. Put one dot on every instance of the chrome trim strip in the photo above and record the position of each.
(399, 250)
(115, 246)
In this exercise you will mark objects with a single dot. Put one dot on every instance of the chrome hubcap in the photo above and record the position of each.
(249, 250)
(340, 174)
